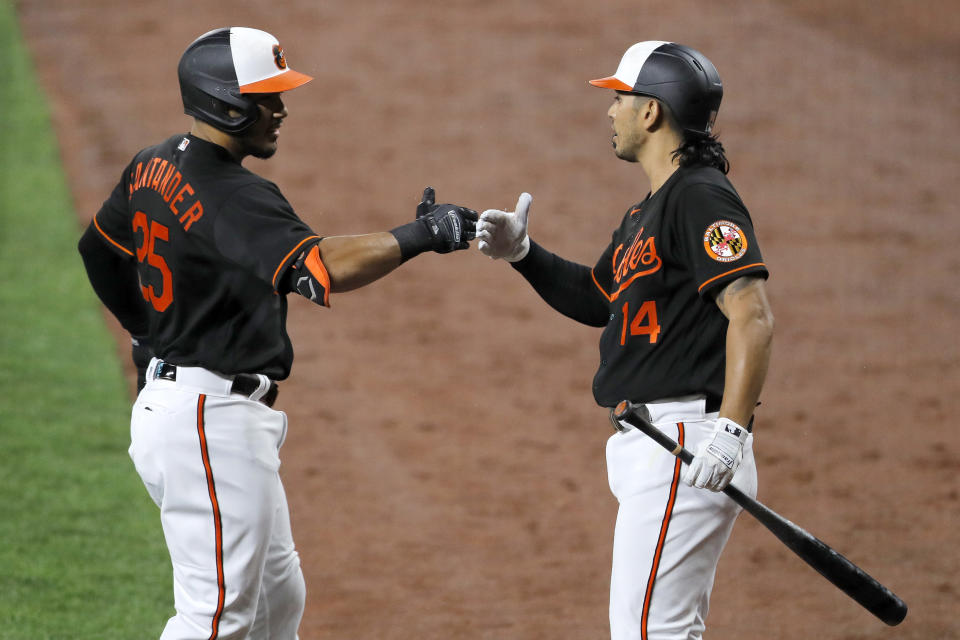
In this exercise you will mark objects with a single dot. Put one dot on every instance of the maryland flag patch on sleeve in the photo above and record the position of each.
(724, 241)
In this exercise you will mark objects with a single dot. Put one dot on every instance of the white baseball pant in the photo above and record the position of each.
(668, 536)
(210, 461)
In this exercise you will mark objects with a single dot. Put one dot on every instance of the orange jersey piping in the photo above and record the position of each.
(276, 274)
(726, 273)
(616, 294)
(111, 240)
(605, 294)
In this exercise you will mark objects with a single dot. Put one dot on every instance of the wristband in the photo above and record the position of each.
(414, 238)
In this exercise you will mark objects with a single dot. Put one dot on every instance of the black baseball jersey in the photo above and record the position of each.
(665, 336)
(212, 242)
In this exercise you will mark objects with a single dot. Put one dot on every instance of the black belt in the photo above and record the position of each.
(713, 404)
(245, 384)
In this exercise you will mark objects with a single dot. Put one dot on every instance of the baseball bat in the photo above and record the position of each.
(848, 577)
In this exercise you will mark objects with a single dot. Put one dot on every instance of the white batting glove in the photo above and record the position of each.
(503, 234)
(717, 458)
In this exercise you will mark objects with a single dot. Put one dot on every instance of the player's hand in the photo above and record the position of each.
(503, 234)
(437, 227)
(450, 226)
(717, 457)
(142, 352)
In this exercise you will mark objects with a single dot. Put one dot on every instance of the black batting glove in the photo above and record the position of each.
(426, 204)
(451, 227)
(142, 352)
(437, 227)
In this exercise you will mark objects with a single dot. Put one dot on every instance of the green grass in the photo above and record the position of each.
(81, 551)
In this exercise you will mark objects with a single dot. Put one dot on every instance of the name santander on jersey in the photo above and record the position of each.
(666, 337)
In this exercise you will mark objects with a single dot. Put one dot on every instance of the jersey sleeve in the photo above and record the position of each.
(307, 276)
(602, 273)
(712, 229)
(564, 285)
(258, 229)
(112, 221)
(114, 280)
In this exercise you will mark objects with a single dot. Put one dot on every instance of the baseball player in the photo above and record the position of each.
(195, 255)
(680, 294)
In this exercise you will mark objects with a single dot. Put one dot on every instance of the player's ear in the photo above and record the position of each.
(651, 113)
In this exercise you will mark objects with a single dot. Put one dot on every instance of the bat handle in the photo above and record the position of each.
(636, 416)
(633, 415)
(628, 412)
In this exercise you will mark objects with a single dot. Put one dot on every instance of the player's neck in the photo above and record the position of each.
(658, 162)
(211, 134)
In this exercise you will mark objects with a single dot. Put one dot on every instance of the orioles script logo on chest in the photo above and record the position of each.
(640, 259)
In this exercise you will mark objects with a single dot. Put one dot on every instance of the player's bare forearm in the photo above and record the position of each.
(749, 340)
(356, 261)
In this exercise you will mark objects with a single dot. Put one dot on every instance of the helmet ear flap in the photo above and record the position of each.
(246, 116)
(234, 116)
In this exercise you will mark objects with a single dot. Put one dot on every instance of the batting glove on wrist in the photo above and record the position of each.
(450, 227)
(717, 458)
(437, 227)
(503, 234)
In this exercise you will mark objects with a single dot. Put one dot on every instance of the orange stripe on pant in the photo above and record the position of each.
(668, 512)
(217, 527)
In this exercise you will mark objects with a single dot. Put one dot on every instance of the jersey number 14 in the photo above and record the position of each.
(644, 322)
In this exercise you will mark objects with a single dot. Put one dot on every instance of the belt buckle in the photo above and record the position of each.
(165, 371)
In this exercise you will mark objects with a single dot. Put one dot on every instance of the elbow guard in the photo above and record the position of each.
(308, 277)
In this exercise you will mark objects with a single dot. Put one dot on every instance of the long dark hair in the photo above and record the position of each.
(697, 149)
(701, 150)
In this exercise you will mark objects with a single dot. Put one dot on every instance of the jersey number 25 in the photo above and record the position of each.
(147, 254)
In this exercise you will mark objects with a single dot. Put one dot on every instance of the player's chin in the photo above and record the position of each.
(265, 150)
(625, 154)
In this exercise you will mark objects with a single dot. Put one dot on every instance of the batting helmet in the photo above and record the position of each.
(681, 77)
(221, 67)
